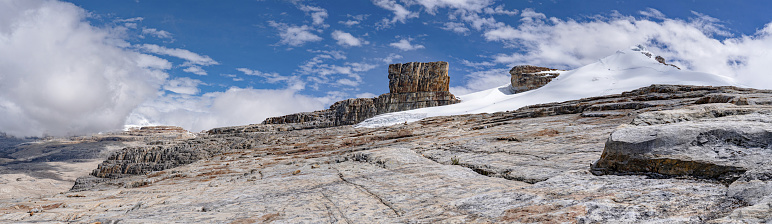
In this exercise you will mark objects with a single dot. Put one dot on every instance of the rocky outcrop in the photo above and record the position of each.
(523, 166)
(529, 77)
(723, 142)
(415, 77)
(412, 85)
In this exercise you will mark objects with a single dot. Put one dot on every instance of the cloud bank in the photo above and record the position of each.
(699, 43)
(61, 76)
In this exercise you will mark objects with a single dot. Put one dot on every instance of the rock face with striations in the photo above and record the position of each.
(412, 85)
(529, 77)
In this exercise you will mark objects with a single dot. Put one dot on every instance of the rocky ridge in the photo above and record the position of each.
(525, 166)
(411, 85)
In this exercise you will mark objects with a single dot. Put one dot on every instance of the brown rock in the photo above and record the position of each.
(413, 85)
(418, 77)
(528, 77)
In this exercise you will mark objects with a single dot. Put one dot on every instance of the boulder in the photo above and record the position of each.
(720, 142)
(529, 77)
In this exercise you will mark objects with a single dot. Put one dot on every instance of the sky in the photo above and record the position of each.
(70, 67)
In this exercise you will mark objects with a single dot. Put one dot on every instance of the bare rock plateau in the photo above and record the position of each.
(658, 154)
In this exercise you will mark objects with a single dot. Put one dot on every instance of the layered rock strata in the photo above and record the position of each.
(412, 85)
(724, 142)
(529, 77)
(523, 166)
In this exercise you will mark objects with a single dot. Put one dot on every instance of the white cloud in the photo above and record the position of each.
(390, 59)
(293, 82)
(477, 64)
(652, 13)
(456, 27)
(62, 76)
(193, 61)
(195, 70)
(482, 80)
(349, 22)
(236, 106)
(467, 5)
(295, 35)
(401, 14)
(318, 14)
(355, 20)
(183, 85)
(405, 45)
(529, 15)
(130, 25)
(318, 71)
(690, 44)
(130, 20)
(346, 39)
(162, 34)
(499, 10)
(188, 56)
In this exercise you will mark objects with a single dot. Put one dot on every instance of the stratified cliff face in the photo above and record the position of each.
(412, 85)
(414, 77)
(528, 77)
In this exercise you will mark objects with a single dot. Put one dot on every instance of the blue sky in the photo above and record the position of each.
(203, 64)
(247, 34)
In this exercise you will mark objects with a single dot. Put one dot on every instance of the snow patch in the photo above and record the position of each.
(625, 70)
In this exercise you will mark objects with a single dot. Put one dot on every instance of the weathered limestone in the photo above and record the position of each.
(412, 85)
(529, 77)
(523, 166)
(724, 142)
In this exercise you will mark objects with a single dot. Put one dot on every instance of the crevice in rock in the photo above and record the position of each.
(482, 170)
(336, 209)
(364, 189)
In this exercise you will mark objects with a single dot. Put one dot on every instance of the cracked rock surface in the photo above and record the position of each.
(526, 166)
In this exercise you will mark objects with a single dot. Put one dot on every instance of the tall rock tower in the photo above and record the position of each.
(412, 85)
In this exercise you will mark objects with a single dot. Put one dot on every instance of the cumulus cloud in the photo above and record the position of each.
(499, 10)
(318, 14)
(456, 27)
(391, 58)
(295, 35)
(61, 76)
(405, 45)
(357, 19)
(700, 43)
(236, 106)
(346, 39)
(401, 14)
(467, 5)
(320, 71)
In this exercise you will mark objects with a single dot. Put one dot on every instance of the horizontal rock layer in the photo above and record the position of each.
(414, 77)
(413, 85)
(353, 111)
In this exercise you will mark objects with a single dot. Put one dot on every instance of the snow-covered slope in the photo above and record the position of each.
(623, 71)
